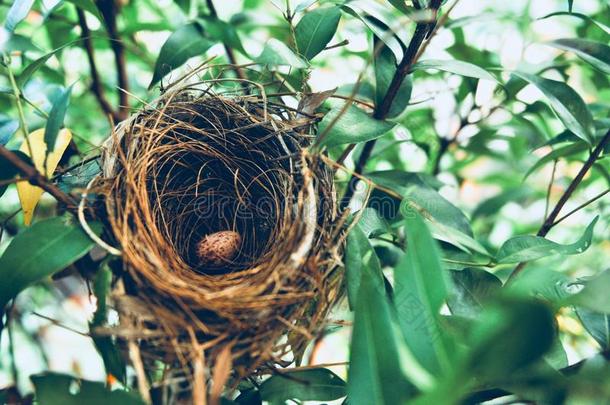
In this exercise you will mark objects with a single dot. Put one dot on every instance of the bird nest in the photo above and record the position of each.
(227, 225)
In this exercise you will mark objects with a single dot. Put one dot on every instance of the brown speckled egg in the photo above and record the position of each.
(218, 248)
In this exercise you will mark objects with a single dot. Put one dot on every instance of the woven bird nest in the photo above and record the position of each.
(227, 227)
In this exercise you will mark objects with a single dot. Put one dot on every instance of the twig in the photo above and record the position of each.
(551, 220)
(35, 177)
(17, 93)
(96, 83)
(382, 109)
(55, 322)
(109, 10)
(136, 360)
(547, 201)
(591, 201)
(229, 51)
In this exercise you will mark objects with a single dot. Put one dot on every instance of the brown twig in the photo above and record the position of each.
(550, 221)
(381, 111)
(35, 177)
(96, 83)
(109, 10)
(581, 206)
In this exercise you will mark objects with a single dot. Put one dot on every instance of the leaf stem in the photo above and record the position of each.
(18, 95)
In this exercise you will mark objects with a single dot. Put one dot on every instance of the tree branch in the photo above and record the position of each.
(228, 50)
(109, 10)
(35, 177)
(96, 83)
(381, 111)
(550, 221)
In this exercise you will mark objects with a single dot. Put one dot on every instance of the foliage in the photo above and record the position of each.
(461, 139)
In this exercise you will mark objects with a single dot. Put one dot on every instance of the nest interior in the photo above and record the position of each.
(196, 163)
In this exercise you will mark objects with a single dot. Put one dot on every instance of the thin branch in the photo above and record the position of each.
(381, 111)
(109, 10)
(591, 201)
(35, 177)
(551, 220)
(229, 51)
(547, 201)
(96, 83)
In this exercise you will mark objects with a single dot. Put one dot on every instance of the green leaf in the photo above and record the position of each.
(420, 289)
(555, 154)
(184, 43)
(185, 5)
(38, 252)
(18, 11)
(567, 104)
(353, 126)
(584, 17)
(570, 5)
(7, 130)
(304, 385)
(88, 5)
(8, 171)
(472, 288)
(597, 324)
(402, 6)
(18, 42)
(276, 53)
(592, 52)
(457, 67)
(359, 257)
(385, 68)
(376, 375)
(30, 69)
(510, 335)
(594, 295)
(528, 247)
(58, 389)
(220, 31)
(56, 118)
(315, 30)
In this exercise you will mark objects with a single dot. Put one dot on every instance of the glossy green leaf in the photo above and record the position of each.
(597, 324)
(18, 42)
(184, 43)
(38, 252)
(88, 5)
(420, 289)
(276, 53)
(29, 70)
(385, 68)
(18, 11)
(457, 67)
(316, 29)
(353, 126)
(59, 389)
(359, 257)
(471, 289)
(510, 335)
(376, 374)
(56, 118)
(185, 5)
(401, 5)
(567, 104)
(592, 52)
(304, 385)
(528, 247)
(557, 153)
(220, 31)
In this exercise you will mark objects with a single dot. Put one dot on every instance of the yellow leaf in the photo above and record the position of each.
(29, 194)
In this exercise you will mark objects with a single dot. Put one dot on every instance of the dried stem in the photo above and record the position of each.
(551, 220)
